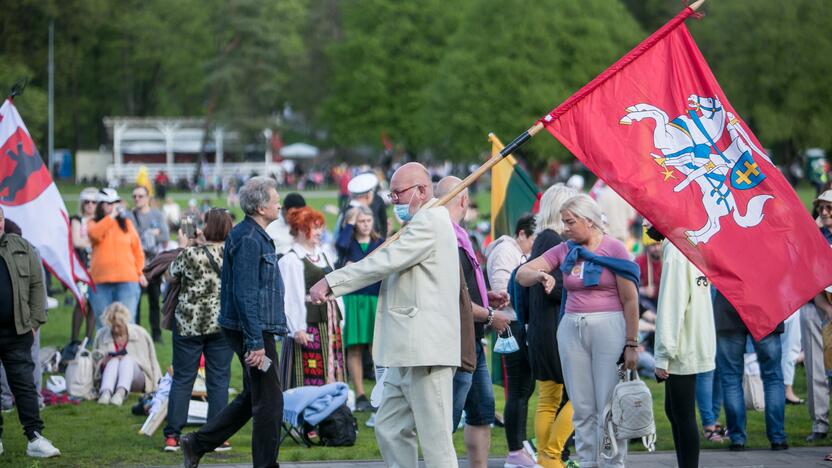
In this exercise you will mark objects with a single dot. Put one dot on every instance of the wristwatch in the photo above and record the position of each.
(490, 318)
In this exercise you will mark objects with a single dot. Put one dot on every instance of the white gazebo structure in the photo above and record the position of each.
(171, 145)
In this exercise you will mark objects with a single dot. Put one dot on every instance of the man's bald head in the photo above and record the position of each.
(410, 174)
(458, 206)
(444, 187)
(411, 180)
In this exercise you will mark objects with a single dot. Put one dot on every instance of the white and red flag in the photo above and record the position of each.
(30, 198)
(657, 127)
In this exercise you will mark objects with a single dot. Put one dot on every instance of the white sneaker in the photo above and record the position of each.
(40, 447)
(118, 397)
(372, 421)
(104, 398)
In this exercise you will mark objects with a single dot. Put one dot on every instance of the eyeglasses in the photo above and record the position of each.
(88, 202)
(824, 207)
(395, 194)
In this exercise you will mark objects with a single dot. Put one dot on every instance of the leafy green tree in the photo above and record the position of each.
(773, 62)
(511, 62)
(389, 53)
(255, 45)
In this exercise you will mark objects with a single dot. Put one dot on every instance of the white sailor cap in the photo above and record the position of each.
(362, 183)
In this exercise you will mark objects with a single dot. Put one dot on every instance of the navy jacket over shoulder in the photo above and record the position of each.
(350, 251)
(251, 291)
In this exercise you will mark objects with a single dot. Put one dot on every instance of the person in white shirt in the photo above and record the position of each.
(278, 229)
(685, 345)
(312, 351)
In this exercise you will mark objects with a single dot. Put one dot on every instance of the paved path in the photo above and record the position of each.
(792, 458)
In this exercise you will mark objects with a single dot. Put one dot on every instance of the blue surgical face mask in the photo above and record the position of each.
(402, 210)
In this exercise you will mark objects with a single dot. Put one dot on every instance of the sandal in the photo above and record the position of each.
(715, 436)
(721, 430)
(799, 401)
(828, 457)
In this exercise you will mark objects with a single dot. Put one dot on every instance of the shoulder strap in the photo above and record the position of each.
(214, 265)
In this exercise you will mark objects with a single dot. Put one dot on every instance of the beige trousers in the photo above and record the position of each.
(417, 400)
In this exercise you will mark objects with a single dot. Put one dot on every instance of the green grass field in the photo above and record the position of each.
(90, 435)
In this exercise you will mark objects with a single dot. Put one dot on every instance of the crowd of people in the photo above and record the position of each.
(577, 296)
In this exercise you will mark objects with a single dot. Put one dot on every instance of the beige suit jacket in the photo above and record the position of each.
(417, 320)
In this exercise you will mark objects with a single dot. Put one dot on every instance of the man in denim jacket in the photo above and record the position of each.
(251, 314)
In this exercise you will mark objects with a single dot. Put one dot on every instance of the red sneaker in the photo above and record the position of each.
(171, 444)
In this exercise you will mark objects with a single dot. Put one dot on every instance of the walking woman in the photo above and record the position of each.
(355, 241)
(553, 416)
(314, 355)
(600, 321)
(196, 331)
(685, 345)
(117, 257)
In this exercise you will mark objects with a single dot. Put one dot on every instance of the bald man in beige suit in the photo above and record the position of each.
(417, 331)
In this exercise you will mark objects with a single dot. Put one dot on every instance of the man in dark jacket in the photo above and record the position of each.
(251, 315)
(22, 311)
(732, 336)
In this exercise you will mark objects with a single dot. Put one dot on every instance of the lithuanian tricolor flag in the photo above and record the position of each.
(513, 193)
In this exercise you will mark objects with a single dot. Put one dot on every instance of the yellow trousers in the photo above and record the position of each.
(552, 428)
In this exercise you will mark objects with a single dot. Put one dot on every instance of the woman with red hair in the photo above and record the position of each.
(312, 352)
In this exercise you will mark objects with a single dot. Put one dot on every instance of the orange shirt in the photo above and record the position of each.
(117, 256)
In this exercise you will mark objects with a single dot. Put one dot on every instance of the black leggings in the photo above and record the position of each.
(519, 387)
(679, 402)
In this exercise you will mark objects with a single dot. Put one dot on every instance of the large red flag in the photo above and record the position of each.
(30, 198)
(658, 129)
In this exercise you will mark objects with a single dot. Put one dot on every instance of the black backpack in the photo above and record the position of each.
(339, 429)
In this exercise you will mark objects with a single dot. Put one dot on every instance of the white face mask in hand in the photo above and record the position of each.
(506, 345)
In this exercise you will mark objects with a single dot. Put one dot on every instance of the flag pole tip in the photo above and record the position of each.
(695, 5)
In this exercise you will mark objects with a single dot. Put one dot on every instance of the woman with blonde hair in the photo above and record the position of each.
(600, 322)
(129, 358)
(553, 416)
(355, 241)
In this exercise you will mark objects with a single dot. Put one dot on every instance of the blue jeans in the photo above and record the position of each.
(462, 383)
(186, 352)
(730, 362)
(708, 397)
(474, 393)
(107, 293)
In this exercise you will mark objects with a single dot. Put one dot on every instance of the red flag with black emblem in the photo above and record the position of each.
(30, 198)
(657, 127)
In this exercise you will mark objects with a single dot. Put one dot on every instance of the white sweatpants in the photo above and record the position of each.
(122, 372)
(790, 344)
(590, 345)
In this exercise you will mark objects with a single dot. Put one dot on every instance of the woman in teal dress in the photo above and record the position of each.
(355, 240)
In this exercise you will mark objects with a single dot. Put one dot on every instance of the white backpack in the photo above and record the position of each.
(80, 374)
(629, 415)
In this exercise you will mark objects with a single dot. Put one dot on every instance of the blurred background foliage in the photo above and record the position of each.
(434, 76)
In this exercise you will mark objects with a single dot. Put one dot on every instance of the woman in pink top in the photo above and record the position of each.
(600, 323)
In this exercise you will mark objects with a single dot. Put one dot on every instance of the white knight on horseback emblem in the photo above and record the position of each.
(688, 144)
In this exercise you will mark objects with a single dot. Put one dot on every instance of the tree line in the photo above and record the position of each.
(432, 76)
